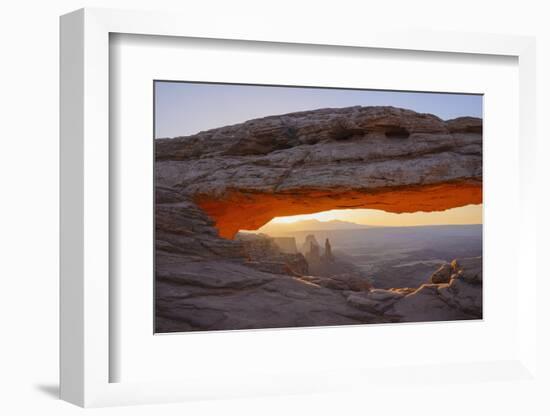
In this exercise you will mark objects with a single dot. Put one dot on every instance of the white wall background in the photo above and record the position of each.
(29, 185)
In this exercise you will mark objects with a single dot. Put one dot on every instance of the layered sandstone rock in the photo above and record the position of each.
(212, 184)
(457, 299)
(263, 253)
(460, 298)
(371, 157)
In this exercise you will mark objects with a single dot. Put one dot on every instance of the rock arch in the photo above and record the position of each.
(386, 158)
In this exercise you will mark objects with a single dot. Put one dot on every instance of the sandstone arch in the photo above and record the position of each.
(240, 210)
(360, 157)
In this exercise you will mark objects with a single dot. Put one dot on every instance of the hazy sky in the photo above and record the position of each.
(182, 108)
(186, 108)
(469, 214)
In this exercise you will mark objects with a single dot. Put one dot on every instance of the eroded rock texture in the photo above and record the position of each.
(214, 183)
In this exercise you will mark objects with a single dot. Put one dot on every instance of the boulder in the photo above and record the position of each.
(442, 275)
(459, 298)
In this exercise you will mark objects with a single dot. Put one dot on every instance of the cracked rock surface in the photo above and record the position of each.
(212, 184)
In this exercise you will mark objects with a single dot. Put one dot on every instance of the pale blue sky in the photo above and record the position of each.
(184, 108)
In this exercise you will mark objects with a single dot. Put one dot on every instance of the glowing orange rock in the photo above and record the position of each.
(250, 210)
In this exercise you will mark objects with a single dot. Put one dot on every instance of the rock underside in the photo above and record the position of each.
(212, 184)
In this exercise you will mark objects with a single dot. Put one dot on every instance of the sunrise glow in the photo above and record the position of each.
(469, 214)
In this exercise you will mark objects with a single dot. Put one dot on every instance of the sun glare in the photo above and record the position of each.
(469, 214)
(319, 216)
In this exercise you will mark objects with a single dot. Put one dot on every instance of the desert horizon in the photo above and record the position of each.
(373, 251)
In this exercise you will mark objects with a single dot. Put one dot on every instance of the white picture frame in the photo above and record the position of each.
(85, 210)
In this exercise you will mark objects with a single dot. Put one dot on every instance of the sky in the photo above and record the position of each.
(184, 108)
(469, 214)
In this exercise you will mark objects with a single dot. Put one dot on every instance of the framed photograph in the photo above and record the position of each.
(262, 212)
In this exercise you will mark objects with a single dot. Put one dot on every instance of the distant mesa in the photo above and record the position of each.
(278, 228)
(327, 255)
(264, 253)
(317, 258)
(286, 244)
(312, 250)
